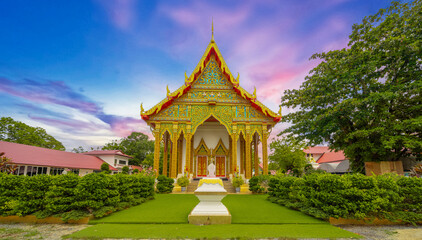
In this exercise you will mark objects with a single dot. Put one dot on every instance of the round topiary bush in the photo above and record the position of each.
(183, 181)
(237, 182)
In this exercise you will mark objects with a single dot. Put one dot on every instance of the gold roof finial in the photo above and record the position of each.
(254, 93)
(212, 30)
(168, 91)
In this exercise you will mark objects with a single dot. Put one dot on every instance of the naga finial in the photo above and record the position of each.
(186, 78)
(237, 78)
(279, 111)
(168, 91)
(142, 109)
(254, 93)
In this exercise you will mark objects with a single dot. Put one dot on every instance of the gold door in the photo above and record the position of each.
(221, 166)
(202, 166)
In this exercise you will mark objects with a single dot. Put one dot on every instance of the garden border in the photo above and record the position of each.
(50, 220)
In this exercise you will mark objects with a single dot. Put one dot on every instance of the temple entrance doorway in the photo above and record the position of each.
(210, 144)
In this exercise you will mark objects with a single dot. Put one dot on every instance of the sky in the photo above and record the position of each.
(81, 69)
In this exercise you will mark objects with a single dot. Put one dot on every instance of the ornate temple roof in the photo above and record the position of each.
(212, 50)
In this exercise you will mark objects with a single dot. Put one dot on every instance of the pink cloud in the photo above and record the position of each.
(124, 126)
(275, 65)
(200, 13)
(121, 13)
(67, 123)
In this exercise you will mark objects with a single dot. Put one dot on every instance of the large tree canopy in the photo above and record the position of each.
(19, 132)
(137, 145)
(366, 99)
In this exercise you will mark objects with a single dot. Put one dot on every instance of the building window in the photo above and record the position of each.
(21, 170)
(35, 170)
(56, 171)
(59, 171)
(115, 162)
(122, 162)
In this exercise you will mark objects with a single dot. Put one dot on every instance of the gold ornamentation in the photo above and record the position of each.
(220, 149)
(222, 74)
(202, 149)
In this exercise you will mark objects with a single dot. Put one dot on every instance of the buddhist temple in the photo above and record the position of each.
(210, 119)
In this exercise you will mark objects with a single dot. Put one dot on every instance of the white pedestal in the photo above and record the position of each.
(210, 209)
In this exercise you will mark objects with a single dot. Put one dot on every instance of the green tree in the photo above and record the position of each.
(105, 168)
(79, 149)
(125, 170)
(287, 154)
(136, 145)
(6, 164)
(366, 99)
(19, 132)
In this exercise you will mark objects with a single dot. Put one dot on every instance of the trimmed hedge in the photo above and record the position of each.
(352, 196)
(165, 184)
(70, 196)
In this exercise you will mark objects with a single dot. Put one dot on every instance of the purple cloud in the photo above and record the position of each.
(50, 92)
(53, 93)
(121, 13)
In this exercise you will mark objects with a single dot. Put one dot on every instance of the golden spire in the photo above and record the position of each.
(212, 30)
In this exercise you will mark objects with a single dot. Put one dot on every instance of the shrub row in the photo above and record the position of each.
(70, 196)
(259, 184)
(165, 184)
(352, 196)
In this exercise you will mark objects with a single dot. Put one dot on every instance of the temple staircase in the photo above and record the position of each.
(228, 186)
(193, 185)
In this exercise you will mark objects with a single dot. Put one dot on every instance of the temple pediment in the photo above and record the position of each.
(211, 90)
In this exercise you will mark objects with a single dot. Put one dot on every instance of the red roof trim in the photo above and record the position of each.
(21, 154)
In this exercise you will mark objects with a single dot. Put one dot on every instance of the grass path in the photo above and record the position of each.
(166, 208)
(174, 231)
(252, 217)
(256, 209)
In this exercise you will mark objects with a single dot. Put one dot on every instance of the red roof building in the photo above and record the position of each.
(133, 167)
(31, 160)
(323, 154)
(323, 158)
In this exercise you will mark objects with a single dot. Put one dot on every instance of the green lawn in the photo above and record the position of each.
(256, 209)
(252, 217)
(174, 231)
(166, 208)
